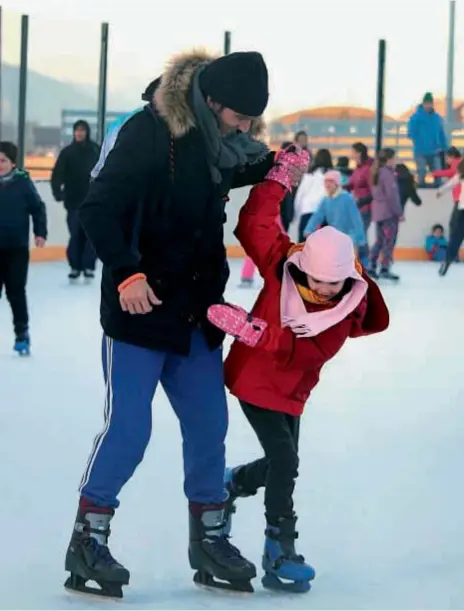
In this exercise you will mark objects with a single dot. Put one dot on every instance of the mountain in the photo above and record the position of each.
(46, 97)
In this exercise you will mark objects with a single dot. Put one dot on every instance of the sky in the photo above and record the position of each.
(319, 52)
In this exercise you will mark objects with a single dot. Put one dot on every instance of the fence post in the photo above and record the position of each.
(102, 83)
(450, 72)
(380, 95)
(227, 42)
(22, 99)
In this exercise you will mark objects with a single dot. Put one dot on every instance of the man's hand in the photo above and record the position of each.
(39, 242)
(138, 298)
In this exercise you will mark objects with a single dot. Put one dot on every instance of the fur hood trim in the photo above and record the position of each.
(171, 97)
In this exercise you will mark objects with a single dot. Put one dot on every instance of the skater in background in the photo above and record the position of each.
(315, 297)
(457, 229)
(453, 158)
(406, 186)
(19, 201)
(436, 243)
(70, 184)
(163, 266)
(311, 191)
(426, 129)
(360, 185)
(338, 209)
(343, 166)
(386, 213)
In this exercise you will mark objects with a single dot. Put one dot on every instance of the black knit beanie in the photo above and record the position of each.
(238, 81)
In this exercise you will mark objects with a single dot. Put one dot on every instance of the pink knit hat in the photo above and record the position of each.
(334, 176)
(328, 255)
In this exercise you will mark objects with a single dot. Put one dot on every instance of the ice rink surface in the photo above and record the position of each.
(380, 496)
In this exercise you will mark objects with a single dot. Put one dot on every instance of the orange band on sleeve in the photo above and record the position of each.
(130, 280)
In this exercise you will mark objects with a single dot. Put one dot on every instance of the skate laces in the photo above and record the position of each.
(224, 546)
(102, 552)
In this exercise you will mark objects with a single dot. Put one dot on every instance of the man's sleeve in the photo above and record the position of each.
(107, 212)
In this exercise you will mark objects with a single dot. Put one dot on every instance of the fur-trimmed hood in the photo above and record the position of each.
(171, 97)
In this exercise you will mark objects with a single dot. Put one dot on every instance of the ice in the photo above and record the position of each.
(380, 496)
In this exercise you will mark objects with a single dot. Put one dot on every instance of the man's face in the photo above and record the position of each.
(80, 134)
(230, 121)
(428, 106)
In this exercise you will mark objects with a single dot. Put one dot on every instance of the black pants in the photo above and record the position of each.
(80, 252)
(456, 235)
(304, 220)
(278, 435)
(14, 265)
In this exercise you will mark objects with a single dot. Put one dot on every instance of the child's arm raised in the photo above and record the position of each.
(259, 230)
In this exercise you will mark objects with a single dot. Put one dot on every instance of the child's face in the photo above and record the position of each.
(331, 187)
(5, 165)
(438, 233)
(326, 290)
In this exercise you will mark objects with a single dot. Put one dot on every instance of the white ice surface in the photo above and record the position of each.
(380, 497)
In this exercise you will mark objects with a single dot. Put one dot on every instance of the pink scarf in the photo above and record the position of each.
(328, 255)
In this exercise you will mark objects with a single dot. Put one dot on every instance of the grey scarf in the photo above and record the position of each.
(224, 152)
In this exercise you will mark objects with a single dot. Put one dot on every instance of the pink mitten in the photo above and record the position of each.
(237, 322)
(285, 163)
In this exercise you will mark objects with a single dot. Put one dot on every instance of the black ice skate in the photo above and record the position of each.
(89, 559)
(211, 554)
(386, 274)
(444, 267)
(74, 275)
(89, 274)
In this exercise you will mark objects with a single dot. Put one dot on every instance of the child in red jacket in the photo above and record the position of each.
(315, 297)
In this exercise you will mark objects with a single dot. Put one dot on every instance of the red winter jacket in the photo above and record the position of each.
(281, 371)
(449, 173)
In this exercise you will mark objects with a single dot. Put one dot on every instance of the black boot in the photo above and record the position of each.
(88, 557)
(211, 554)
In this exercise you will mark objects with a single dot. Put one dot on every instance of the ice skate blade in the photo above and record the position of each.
(274, 584)
(208, 582)
(108, 591)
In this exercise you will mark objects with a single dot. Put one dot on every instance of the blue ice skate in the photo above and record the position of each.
(284, 569)
(23, 345)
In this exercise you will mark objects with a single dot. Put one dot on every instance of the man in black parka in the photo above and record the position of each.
(70, 184)
(155, 216)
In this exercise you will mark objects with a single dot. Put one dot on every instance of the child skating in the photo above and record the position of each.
(19, 201)
(315, 297)
(457, 224)
(338, 209)
(386, 213)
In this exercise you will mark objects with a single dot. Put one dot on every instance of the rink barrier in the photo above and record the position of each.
(58, 253)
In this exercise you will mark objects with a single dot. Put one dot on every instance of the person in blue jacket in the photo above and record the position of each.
(427, 132)
(436, 243)
(19, 201)
(338, 209)
(115, 128)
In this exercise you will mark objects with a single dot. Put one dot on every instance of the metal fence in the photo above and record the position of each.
(38, 105)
